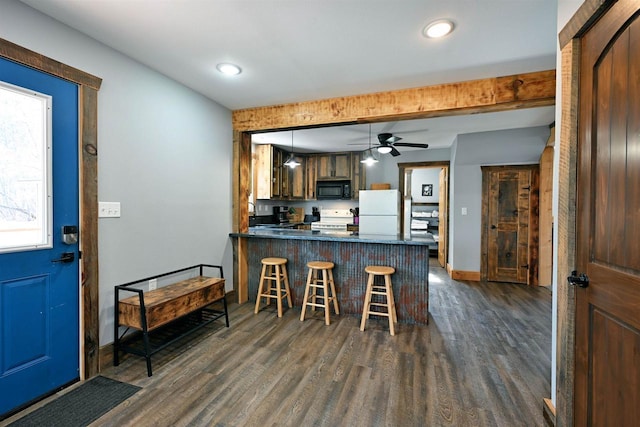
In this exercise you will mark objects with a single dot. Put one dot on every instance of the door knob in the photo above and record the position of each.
(493, 227)
(581, 279)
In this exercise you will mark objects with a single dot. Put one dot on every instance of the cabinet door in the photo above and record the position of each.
(358, 175)
(342, 166)
(324, 166)
(276, 166)
(296, 182)
(262, 171)
(311, 177)
(334, 166)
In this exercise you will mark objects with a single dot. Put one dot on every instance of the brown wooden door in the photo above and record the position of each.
(444, 217)
(507, 224)
(607, 376)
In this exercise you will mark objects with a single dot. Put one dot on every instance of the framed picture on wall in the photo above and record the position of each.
(427, 190)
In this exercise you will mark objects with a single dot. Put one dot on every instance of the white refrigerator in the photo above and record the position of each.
(379, 212)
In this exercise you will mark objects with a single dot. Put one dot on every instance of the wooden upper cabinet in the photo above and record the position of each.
(358, 175)
(277, 158)
(295, 182)
(263, 171)
(272, 180)
(334, 166)
(311, 177)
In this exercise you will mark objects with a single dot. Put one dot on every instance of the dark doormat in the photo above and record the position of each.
(80, 406)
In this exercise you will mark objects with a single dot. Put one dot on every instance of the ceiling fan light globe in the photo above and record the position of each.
(384, 149)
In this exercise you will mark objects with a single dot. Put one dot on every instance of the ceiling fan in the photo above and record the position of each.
(389, 142)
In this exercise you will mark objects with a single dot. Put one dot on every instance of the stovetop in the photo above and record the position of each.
(333, 219)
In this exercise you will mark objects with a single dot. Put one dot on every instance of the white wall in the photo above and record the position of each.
(506, 147)
(465, 236)
(386, 170)
(467, 154)
(164, 152)
(419, 177)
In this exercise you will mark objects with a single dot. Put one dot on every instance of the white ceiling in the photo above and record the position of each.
(438, 132)
(299, 50)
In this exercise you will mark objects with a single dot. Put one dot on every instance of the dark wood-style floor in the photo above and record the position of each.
(484, 360)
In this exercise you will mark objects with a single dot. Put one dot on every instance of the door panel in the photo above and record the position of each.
(31, 343)
(607, 382)
(39, 298)
(443, 224)
(508, 225)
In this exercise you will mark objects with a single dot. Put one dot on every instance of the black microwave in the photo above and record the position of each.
(333, 190)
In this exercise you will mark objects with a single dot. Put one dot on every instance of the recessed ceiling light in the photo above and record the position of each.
(229, 69)
(437, 29)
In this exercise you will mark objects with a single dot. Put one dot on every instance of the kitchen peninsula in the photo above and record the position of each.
(351, 253)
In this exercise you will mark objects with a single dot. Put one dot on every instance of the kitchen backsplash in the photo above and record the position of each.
(265, 207)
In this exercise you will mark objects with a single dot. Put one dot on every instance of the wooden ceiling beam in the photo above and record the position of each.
(477, 96)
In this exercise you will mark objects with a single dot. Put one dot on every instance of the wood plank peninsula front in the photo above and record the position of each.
(351, 253)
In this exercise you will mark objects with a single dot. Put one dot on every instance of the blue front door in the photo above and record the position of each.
(39, 282)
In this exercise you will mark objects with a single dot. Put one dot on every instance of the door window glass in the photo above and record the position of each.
(25, 169)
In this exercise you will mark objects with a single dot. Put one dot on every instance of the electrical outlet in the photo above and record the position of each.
(153, 284)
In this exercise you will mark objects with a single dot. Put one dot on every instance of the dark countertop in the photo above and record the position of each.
(287, 233)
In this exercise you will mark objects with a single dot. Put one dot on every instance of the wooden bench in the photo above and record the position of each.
(161, 307)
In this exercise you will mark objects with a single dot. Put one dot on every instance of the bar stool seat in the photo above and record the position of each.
(384, 291)
(274, 270)
(326, 284)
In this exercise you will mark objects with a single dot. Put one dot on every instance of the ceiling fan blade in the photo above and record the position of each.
(387, 127)
(411, 144)
(384, 138)
(387, 138)
(394, 152)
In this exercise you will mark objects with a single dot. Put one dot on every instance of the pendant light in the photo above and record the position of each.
(291, 161)
(369, 160)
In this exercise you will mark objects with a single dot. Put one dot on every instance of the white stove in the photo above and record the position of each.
(333, 220)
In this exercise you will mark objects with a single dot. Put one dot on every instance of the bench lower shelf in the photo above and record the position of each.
(166, 335)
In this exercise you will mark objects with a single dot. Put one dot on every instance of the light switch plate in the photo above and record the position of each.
(108, 209)
(464, 211)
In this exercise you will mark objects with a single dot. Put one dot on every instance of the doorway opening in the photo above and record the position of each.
(424, 188)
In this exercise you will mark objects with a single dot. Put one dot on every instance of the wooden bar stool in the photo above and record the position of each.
(274, 270)
(325, 283)
(386, 291)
